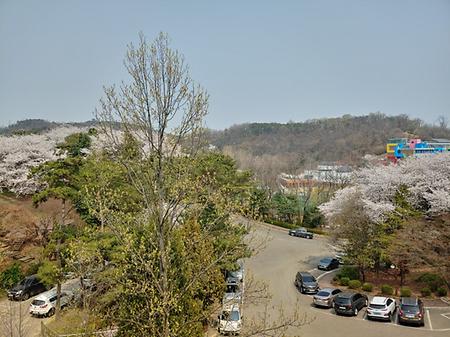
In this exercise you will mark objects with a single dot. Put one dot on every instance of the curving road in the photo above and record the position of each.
(277, 263)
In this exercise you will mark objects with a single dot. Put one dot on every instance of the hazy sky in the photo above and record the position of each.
(259, 60)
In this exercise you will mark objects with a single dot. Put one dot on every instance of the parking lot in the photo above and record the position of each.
(277, 265)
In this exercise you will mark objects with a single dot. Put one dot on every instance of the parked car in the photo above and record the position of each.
(340, 256)
(325, 297)
(230, 319)
(26, 288)
(233, 291)
(410, 311)
(306, 283)
(347, 303)
(237, 273)
(45, 304)
(301, 232)
(328, 263)
(381, 308)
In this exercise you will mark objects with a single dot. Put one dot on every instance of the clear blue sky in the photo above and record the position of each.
(259, 60)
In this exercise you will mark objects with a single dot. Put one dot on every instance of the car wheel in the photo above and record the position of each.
(25, 296)
(302, 290)
(355, 312)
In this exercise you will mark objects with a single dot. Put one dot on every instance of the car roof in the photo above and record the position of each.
(231, 307)
(48, 294)
(328, 289)
(304, 273)
(409, 300)
(379, 300)
(346, 294)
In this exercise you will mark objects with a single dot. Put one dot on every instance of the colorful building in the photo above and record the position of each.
(399, 148)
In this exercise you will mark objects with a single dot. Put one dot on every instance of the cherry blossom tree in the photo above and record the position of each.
(426, 180)
(20, 153)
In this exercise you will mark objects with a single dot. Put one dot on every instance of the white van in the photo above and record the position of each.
(230, 319)
(45, 303)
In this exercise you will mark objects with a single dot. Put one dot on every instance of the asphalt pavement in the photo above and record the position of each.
(276, 264)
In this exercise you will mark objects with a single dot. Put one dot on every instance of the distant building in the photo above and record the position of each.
(329, 173)
(399, 148)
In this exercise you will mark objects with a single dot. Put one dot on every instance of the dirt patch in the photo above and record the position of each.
(24, 229)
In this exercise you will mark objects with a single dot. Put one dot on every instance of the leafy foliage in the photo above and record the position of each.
(11, 276)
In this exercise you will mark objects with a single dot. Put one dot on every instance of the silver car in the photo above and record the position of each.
(325, 297)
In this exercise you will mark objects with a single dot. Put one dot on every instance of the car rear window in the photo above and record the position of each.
(323, 293)
(377, 306)
(309, 279)
(410, 308)
(38, 302)
(342, 300)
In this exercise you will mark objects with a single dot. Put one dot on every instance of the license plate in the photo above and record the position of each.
(409, 316)
(342, 308)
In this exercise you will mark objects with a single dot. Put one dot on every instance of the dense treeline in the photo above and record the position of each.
(270, 148)
(38, 126)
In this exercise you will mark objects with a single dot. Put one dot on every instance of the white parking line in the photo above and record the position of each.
(321, 275)
(429, 320)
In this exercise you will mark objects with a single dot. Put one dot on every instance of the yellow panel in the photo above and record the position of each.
(390, 147)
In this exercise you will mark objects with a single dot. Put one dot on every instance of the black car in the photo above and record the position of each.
(349, 303)
(26, 288)
(306, 283)
(328, 263)
(411, 311)
(301, 233)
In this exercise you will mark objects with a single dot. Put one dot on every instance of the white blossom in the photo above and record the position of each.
(426, 179)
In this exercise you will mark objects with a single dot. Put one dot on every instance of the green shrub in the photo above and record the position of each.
(354, 284)
(432, 281)
(344, 281)
(32, 269)
(367, 287)
(441, 291)
(351, 273)
(386, 289)
(405, 292)
(11, 276)
(426, 291)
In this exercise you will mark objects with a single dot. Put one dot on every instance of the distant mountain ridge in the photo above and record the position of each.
(29, 126)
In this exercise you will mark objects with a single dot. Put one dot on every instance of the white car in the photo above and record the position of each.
(230, 319)
(381, 308)
(45, 303)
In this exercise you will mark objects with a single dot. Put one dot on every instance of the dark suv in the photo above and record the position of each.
(411, 310)
(26, 288)
(306, 283)
(349, 303)
(301, 233)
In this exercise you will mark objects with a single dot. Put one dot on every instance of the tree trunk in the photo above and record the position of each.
(363, 274)
(58, 300)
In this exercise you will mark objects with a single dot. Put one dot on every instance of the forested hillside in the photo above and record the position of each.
(31, 126)
(270, 148)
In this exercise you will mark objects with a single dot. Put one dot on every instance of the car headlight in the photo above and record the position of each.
(19, 292)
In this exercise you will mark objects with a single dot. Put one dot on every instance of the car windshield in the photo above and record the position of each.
(410, 308)
(309, 279)
(230, 315)
(234, 315)
(38, 302)
(377, 306)
(232, 288)
(326, 260)
(323, 293)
